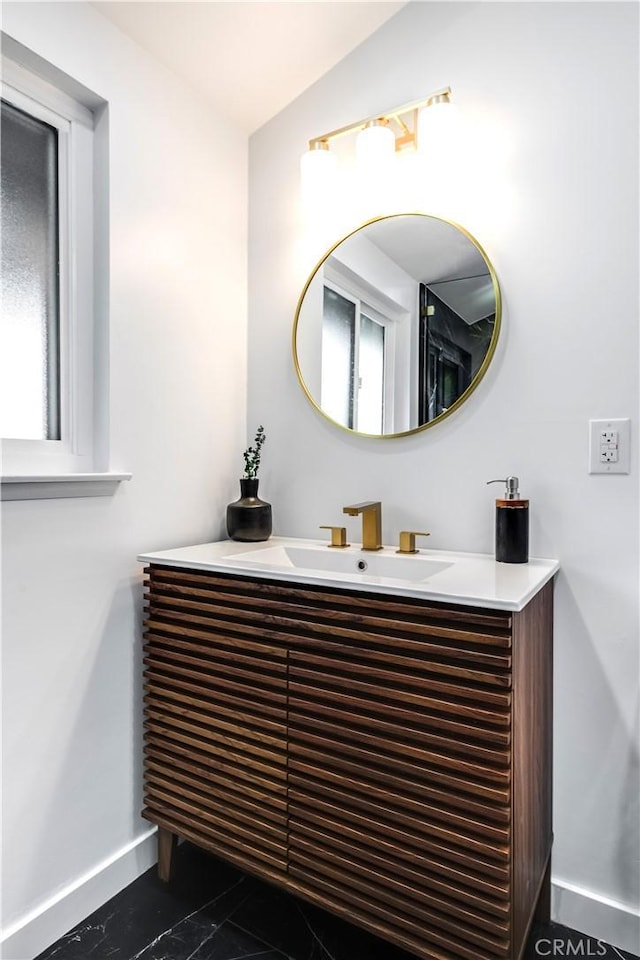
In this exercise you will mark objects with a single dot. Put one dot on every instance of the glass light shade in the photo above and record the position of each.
(318, 170)
(375, 146)
(437, 128)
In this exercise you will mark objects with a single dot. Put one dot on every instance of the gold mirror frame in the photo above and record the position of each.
(481, 371)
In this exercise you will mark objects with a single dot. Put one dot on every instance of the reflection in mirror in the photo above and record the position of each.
(397, 325)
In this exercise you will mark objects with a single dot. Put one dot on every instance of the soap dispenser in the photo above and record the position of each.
(512, 524)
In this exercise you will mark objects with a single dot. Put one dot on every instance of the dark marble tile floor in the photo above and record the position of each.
(211, 911)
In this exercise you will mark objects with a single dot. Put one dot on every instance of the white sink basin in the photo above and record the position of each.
(384, 563)
(465, 578)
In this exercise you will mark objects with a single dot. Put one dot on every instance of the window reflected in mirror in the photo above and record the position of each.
(354, 357)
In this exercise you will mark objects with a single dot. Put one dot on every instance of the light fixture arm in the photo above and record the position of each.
(408, 135)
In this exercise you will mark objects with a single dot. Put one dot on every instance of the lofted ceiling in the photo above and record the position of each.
(249, 59)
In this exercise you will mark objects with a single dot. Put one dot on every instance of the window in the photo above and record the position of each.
(30, 256)
(355, 361)
(53, 192)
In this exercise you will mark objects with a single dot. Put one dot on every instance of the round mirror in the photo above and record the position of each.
(397, 325)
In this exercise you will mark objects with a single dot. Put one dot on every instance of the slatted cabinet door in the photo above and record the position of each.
(215, 726)
(399, 773)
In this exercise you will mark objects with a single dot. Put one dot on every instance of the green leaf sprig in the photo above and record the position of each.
(252, 455)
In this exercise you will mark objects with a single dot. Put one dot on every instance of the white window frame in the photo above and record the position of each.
(363, 304)
(50, 468)
(389, 361)
(383, 310)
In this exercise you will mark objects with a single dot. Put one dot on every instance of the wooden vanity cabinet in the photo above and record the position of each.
(388, 759)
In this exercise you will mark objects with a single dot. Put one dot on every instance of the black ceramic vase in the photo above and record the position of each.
(249, 518)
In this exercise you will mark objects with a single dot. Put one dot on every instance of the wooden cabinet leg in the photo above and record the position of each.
(542, 912)
(166, 845)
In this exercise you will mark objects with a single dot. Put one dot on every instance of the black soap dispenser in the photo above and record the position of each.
(512, 524)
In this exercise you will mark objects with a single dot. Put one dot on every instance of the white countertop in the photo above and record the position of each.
(471, 579)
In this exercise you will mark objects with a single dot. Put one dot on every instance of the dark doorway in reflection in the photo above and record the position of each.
(452, 348)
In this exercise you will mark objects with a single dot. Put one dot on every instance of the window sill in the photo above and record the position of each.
(43, 487)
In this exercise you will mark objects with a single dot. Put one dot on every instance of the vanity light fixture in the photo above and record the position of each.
(378, 139)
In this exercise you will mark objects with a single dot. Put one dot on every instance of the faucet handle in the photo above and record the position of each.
(408, 541)
(338, 536)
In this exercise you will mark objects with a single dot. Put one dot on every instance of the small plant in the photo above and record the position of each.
(252, 455)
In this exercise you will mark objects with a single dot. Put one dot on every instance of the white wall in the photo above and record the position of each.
(555, 88)
(72, 588)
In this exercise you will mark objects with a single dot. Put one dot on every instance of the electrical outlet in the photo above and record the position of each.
(609, 446)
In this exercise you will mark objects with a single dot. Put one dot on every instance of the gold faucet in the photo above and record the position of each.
(371, 511)
(338, 536)
(408, 541)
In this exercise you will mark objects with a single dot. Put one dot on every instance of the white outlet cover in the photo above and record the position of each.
(623, 429)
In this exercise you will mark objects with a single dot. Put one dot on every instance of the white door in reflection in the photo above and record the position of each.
(371, 376)
(354, 358)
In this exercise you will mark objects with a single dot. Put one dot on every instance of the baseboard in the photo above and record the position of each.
(596, 916)
(34, 932)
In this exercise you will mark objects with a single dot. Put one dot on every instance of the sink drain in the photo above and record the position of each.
(362, 564)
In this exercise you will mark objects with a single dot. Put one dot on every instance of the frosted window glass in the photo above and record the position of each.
(371, 370)
(29, 359)
(338, 357)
